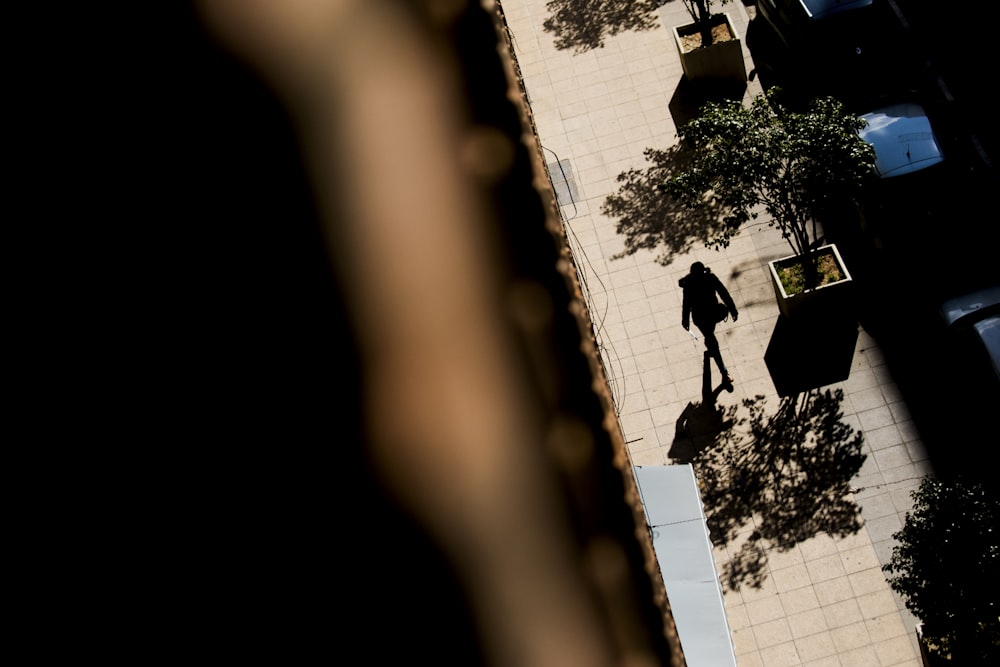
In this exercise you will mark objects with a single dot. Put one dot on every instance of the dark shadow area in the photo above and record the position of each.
(690, 96)
(582, 25)
(944, 39)
(789, 473)
(871, 60)
(700, 423)
(917, 240)
(650, 219)
(912, 243)
(921, 239)
(765, 50)
(809, 351)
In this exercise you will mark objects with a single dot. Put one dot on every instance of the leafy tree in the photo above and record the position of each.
(946, 566)
(650, 219)
(793, 164)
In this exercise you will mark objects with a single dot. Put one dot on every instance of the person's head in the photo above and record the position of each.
(697, 269)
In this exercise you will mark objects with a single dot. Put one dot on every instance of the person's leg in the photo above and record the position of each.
(712, 345)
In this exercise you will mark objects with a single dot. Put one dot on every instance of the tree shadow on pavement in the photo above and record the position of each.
(701, 423)
(772, 482)
(582, 25)
(649, 218)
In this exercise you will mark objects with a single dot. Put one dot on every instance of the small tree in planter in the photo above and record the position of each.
(702, 14)
(705, 54)
(946, 566)
(793, 164)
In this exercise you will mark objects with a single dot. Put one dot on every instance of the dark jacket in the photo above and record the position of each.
(700, 301)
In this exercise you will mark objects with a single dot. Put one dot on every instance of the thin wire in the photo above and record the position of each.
(615, 383)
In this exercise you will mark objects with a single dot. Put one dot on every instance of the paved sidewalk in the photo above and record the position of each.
(825, 601)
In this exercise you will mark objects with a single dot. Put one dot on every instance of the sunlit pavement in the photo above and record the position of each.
(824, 601)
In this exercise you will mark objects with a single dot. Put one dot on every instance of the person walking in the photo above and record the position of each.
(701, 287)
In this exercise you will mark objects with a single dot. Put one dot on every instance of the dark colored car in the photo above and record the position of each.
(799, 22)
(852, 49)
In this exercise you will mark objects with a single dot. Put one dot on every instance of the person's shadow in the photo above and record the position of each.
(700, 423)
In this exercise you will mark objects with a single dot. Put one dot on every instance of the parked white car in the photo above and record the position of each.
(903, 139)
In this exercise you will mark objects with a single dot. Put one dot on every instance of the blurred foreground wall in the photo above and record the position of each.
(499, 523)
(330, 371)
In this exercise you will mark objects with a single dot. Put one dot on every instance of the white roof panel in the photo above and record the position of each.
(673, 507)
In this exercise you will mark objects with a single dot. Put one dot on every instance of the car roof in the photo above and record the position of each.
(962, 306)
(903, 139)
(819, 9)
(980, 309)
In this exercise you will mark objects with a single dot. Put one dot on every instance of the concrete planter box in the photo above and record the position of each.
(722, 60)
(836, 296)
